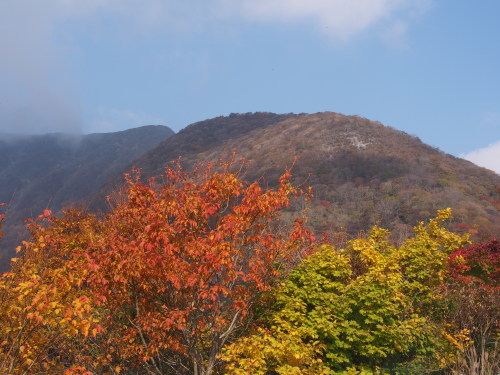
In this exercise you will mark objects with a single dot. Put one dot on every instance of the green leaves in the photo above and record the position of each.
(357, 310)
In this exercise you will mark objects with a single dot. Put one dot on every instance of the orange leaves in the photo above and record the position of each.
(166, 277)
(45, 214)
(188, 257)
(43, 303)
(77, 370)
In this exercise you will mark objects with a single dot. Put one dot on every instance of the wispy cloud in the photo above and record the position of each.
(34, 94)
(37, 93)
(36, 89)
(487, 157)
(340, 19)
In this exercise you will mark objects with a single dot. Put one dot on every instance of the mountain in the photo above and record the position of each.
(55, 170)
(192, 142)
(362, 172)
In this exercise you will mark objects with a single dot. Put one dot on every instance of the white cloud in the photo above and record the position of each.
(341, 19)
(35, 79)
(487, 157)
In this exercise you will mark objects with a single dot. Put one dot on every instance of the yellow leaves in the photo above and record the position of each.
(374, 252)
(77, 370)
(435, 232)
(459, 340)
(33, 303)
(85, 327)
(28, 361)
(424, 256)
(370, 256)
(368, 303)
(275, 351)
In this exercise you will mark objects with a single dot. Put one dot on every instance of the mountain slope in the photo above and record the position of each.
(362, 172)
(204, 137)
(55, 170)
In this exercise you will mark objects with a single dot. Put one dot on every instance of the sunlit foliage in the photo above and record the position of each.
(158, 285)
(368, 309)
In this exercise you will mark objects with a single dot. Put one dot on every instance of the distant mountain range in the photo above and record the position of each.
(56, 170)
(362, 172)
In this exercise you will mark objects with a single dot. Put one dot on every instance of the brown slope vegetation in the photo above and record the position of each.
(205, 136)
(362, 172)
(56, 170)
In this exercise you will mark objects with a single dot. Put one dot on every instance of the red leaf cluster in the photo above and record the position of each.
(477, 263)
(180, 263)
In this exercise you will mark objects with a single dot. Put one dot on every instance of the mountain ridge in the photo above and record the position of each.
(362, 172)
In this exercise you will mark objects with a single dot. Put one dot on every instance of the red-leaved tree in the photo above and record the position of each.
(180, 264)
(474, 289)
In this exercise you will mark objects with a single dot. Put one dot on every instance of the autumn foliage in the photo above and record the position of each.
(365, 309)
(197, 273)
(45, 312)
(160, 283)
(474, 294)
(181, 264)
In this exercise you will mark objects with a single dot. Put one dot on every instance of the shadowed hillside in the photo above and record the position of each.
(56, 170)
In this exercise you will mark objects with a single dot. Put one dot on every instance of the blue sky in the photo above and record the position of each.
(428, 67)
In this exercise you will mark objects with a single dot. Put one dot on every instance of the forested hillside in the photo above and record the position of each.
(362, 173)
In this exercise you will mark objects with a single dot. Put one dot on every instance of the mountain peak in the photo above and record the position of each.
(362, 172)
